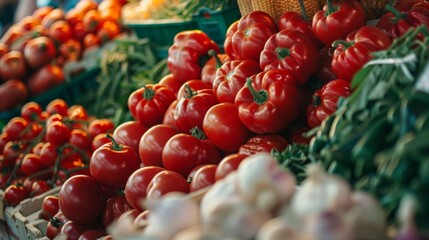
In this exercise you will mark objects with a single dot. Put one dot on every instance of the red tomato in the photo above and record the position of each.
(57, 133)
(81, 199)
(13, 66)
(223, 127)
(92, 21)
(73, 17)
(12, 34)
(109, 29)
(165, 182)
(79, 32)
(31, 111)
(72, 230)
(111, 14)
(129, 133)
(80, 139)
(39, 51)
(228, 164)
(169, 115)
(86, 5)
(77, 112)
(55, 225)
(13, 92)
(152, 143)
(38, 187)
(91, 40)
(297, 135)
(71, 49)
(92, 234)
(137, 183)
(98, 126)
(57, 106)
(195, 84)
(52, 16)
(208, 72)
(60, 31)
(4, 48)
(41, 12)
(48, 154)
(113, 163)
(263, 143)
(100, 140)
(31, 164)
(183, 152)
(192, 108)
(50, 207)
(48, 76)
(204, 177)
(15, 127)
(170, 82)
(14, 194)
(114, 208)
(4, 138)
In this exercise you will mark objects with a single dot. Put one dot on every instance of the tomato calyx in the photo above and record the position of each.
(115, 145)
(260, 97)
(189, 92)
(342, 42)
(330, 8)
(56, 222)
(148, 93)
(316, 101)
(282, 52)
(213, 54)
(198, 133)
(398, 15)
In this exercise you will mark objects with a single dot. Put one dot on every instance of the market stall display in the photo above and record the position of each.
(283, 129)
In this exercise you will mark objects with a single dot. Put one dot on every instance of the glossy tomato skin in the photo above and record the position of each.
(98, 126)
(60, 31)
(13, 92)
(58, 133)
(39, 51)
(165, 182)
(31, 164)
(263, 143)
(229, 164)
(169, 115)
(13, 66)
(100, 140)
(46, 77)
(114, 208)
(55, 225)
(39, 186)
(31, 111)
(77, 112)
(71, 49)
(204, 177)
(183, 152)
(170, 82)
(136, 187)
(14, 127)
(129, 133)
(81, 199)
(192, 108)
(112, 164)
(223, 127)
(58, 106)
(50, 207)
(92, 234)
(14, 194)
(152, 143)
(80, 139)
(195, 84)
(48, 154)
(73, 230)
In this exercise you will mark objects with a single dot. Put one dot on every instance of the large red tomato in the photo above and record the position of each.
(39, 51)
(183, 152)
(223, 127)
(136, 187)
(129, 133)
(14, 194)
(165, 182)
(60, 31)
(45, 78)
(263, 143)
(229, 164)
(204, 177)
(152, 143)
(81, 199)
(13, 93)
(112, 164)
(50, 207)
(13, 66)
(114, 208)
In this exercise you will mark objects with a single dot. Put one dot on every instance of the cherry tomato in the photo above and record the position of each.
(136, 187)
(229, 164)
(39, 51)
(13, 92)
(72, 230)
(50, 207)
(183, 152)
(58, 106)
(98, 126)
(14, 194)
(14, 127)
(91, 40)
(112, 164)
(165, 182)
(13, 66)
(77, 112)
(109, 29)
(80, 139)
(55, 225)
(54, 15)
(71, 49)
(152, 143)
(129, 133)
(57, 133)
(39, 187)
(92, 21)
(224, 128)
(204, 177)
(31, 164)
(114, 208)
(4, 138)
(81, 199)
(60, 31)
(170, 82)
(31, 111)
(48, 154)
(92, 234)
(100, 140)
(263, 143)
(31, 131)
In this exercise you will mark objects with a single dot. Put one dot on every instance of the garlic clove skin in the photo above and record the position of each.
(199, 232)
(277, 229)
(262, 182)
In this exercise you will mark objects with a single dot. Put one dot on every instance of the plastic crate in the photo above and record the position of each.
(216, 23)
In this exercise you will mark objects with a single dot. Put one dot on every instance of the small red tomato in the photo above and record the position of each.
(100, 140)
(77, 112)
(204, 177)
(80, 139)
(31, 111)
(39, 51)
(229, 164)
(13, 66)
(165, 182)
(14, 194)
(91, 40)
(81, 199)
(71, 49)
(13, 92)
(39, 187)
(58, 106)
(114, 208)
(48, 154)
(57, 133)
(55, 225)
(50, 207)
(113, 163)
(129, 133)
(60, 31)
(92, 21)
(31, 164)
(98, 126)
(137, 183)
(15, 127)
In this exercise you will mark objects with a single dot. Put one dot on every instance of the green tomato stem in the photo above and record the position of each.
(303, 10)
(260, 97)
(330, 8)
(282, 52)
(115, 145)
(198, 133)
(389, 7)
(342, 42)
(216, 58)
(189, 92)
(148, 93)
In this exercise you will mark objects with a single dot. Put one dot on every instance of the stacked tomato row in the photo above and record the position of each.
(34, 50)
